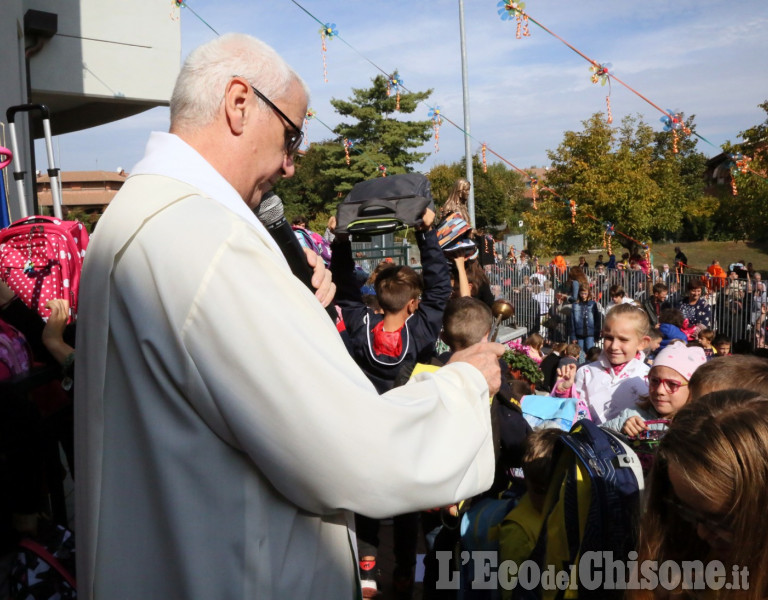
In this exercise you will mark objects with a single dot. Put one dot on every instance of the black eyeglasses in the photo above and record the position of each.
(720, 527)
(292, 138)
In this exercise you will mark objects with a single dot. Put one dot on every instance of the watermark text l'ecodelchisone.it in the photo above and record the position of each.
(595, 570)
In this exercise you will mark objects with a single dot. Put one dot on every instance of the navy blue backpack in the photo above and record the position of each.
(592, 505)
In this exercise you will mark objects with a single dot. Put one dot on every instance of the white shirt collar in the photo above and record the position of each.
(169, 155)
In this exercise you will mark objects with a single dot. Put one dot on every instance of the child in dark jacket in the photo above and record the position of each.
(671, 321)
(467, 321)
(586, 320)
(412, 309)
(386, 344)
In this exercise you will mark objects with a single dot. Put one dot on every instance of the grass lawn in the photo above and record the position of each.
(700, 254)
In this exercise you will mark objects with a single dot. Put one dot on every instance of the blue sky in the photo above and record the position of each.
(698, 56)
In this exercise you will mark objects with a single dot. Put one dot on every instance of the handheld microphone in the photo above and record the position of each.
(272, 215)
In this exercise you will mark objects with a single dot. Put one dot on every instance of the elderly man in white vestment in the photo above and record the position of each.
(219, 418)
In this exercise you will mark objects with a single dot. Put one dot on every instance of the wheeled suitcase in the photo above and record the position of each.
(18, 170)
(41, 257)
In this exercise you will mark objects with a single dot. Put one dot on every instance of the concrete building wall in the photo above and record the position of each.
(107, 60)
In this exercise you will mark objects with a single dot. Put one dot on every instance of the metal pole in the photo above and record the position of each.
(465, 90)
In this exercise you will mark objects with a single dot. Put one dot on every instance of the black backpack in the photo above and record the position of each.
(385, 204)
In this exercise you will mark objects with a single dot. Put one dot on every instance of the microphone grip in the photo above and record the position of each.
(282, 232)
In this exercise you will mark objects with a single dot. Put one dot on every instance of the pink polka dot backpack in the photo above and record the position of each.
(41, 258)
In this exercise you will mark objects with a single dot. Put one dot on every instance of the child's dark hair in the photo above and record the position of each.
(721, 338)
(396, 286)
(465, 322)
(655, 334)
(537, 460)
(707, 334)
(372, 302)
(660, 287)
(519, 388)
(559, 347)
(593, 354)
(616, 290)
(384, 264)
(672, 316)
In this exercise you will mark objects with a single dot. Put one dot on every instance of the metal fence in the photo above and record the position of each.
(368, 254)
(735, 304)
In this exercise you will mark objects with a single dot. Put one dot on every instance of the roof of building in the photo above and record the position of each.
(75, 176)
(539, 173)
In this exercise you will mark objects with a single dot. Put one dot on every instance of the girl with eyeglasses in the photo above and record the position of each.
(667, 390)
(707, 496)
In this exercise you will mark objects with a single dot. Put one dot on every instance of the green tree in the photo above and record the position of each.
(380, 137)
(748, 210)
(310, 192)
(498, 192)
(679, 175)
(617, 175)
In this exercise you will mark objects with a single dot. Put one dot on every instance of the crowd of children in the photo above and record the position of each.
(633, 367)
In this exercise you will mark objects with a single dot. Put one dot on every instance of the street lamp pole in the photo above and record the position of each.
(465, 90)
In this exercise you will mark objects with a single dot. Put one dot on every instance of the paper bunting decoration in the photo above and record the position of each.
(485, 162)
(647, 254)
(327, 31)
(573, 211)
(383, 170)
(509, 10)
(395, 82)
(608, 237)
(739, 164)
(347, 145)
(307, 117)
(600, 73)
(175, 9)
(534, 183)
(609, 118)
(673, 121)
(742, 163)
(437, 120)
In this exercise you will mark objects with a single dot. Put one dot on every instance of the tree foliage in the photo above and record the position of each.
(381, 137)
(498, 192)
(747, 213)
(627, 176)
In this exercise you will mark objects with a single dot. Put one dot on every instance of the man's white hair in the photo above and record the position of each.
(199, 89)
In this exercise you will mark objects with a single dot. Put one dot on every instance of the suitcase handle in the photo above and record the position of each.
(371, 206)
(10, 114)
(35, 219)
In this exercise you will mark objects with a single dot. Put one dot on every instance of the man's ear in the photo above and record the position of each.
(236, 108)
